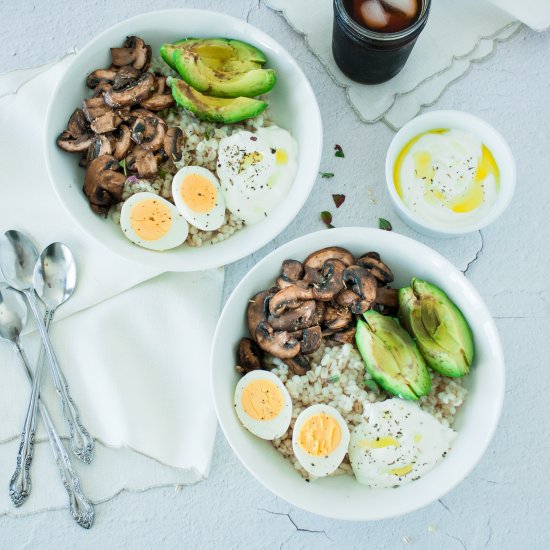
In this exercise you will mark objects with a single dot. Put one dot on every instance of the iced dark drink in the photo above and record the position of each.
(372, 39)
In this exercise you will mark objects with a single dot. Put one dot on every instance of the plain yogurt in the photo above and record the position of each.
(447, 176)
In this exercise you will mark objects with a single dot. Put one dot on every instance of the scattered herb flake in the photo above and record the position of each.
(162, 173)
(338, 200)
(384, 224)
(334, 379)
(326, 217)
(122, 164)
(326, 175)
(339, 152)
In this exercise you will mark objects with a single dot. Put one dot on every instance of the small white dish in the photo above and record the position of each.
(461, 121)
(342, 497)
(293, 106)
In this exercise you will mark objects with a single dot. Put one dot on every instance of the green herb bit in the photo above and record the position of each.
(122, 164)
(334, 379)
(326, 218)
(384, 224)
(339, 152)
(326, 175)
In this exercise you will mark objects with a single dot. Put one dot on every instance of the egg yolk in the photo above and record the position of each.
(404, 470)
(281, 157)
(150, 219)
(262, 400)
(198, 193)
(320, 435)
(249, 159)
(379, 443)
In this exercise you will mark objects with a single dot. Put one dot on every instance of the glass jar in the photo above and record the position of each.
(368, 56)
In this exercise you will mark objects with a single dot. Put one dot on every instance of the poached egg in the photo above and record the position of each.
(397, 443)
(256, 171)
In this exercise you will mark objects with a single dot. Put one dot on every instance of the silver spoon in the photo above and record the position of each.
(13, 316)
(54, 281)
(18, 258)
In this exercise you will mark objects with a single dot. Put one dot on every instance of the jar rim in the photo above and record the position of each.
(363, 32)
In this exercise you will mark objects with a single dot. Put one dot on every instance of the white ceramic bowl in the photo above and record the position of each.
(293, 107)
(462, 121)
(342, 497)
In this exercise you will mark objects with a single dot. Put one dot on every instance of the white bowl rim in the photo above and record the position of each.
(493, 139)
(286, 215)
(335, 236)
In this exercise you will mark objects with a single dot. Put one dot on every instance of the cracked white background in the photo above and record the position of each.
(504, 503)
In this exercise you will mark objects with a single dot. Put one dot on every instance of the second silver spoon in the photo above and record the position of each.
(54, 281)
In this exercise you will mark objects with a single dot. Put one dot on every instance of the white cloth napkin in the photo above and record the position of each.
(534, 13)
(456, 35)
(133, 343)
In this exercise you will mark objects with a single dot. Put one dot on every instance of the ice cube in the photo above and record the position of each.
(374, 15)
(406, 7)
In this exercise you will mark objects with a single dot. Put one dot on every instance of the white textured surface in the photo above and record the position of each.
(504, 503)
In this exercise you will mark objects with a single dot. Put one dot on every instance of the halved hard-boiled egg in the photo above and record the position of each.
(152, 222)
(198, 196)
(263, 404)
(320, 439)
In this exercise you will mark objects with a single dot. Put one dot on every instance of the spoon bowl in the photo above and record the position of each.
(55, 275)
(13, 313)
(18, 256)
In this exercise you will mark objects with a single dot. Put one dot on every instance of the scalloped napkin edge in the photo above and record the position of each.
(437, 61)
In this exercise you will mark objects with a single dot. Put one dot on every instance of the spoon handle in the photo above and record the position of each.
(82, 442)
(80, 507)
(20, 483)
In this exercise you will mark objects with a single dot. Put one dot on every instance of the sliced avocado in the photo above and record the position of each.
(230, 65)
(215, 109)
(223, 49)
(438, 327)
(220, 54)
(391, 356)
(222, 84)
(167, 51)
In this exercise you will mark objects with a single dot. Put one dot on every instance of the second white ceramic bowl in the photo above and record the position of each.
(342, 497)
(292, 103)
(461, 121)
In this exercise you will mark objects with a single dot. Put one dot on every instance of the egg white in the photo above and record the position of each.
(207, 221)
(174, 237)
(265, 429)
(320, 466)
(397, 443)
